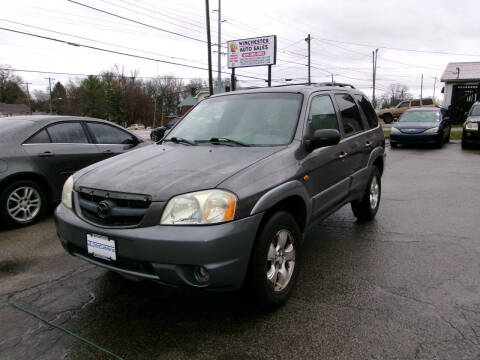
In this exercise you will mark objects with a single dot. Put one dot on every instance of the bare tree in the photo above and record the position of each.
(395, 94)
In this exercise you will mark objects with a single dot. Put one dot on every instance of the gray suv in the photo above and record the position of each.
(223, 200)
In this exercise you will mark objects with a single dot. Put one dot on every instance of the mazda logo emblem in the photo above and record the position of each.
(104, 209)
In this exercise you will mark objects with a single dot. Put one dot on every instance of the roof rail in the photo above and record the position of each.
(334, 84)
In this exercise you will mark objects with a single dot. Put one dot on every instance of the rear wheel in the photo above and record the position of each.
(465, 146)
(22, 203)
(366, 208)
(275, 261)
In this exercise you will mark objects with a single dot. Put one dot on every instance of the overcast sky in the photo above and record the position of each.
(344, 34)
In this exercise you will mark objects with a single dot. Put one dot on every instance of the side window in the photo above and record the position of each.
(351, 119)
(106, 134)
(404, 104)
(322, 114)
(67, 133)
(368, 110)
(415, 103)
(427, 101)
(39, 138)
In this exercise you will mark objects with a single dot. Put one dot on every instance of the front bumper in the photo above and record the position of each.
(471, 137)
(421, 138)
(168, 254)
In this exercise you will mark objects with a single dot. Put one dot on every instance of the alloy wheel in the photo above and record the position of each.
(281, 260)
(23, 204)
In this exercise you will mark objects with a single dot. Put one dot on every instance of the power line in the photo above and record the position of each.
(97, 41)
(138, 22)
(116, 52)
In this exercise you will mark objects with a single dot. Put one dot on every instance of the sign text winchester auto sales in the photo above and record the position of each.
(252, 52)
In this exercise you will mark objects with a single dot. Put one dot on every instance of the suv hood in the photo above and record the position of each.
(166, 170)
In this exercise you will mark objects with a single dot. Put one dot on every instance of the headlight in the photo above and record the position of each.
(432, 130)
(471, 126)
(394, 130)
(201, 207)
(67, 192)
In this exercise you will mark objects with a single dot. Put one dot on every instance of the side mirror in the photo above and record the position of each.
(322, 138)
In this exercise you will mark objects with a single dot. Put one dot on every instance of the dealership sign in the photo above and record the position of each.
(252, 52)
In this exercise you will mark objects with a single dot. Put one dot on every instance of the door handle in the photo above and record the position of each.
(368, 144)
(342, 155)
(46, 154)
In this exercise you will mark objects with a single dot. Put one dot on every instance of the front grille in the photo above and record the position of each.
(111, 208)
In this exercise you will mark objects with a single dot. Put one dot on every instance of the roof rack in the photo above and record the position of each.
(334, 84)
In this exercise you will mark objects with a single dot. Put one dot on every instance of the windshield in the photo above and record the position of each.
(420, 116)
(475, 111)
(260, 119)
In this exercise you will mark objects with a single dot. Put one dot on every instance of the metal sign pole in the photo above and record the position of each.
(232, 80)
(269, 75)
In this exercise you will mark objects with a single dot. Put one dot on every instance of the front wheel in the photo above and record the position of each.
(387, 118)
(275, 261)
(22, 203)
(366, 208)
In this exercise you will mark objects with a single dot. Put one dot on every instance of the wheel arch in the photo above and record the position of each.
(39, 179)
(292, 197)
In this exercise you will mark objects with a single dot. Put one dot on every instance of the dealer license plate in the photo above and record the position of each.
(101, 246)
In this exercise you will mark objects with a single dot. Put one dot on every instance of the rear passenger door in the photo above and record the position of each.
(60, 149)
(356, 142)
(110, 140)
(328, 182)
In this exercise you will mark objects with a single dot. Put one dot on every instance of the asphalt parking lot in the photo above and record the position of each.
(405, 286)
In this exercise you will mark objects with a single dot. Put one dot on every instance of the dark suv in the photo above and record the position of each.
(225, 198)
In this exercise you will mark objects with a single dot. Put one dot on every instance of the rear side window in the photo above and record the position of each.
(106, 134)
(404, 104)
(39, 138)
(351, 119)
(67, 133)
(415, 103)
(322, 114)
(427, 102)
(368, 110)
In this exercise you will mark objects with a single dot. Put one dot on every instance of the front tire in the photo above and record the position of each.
(22, 203)
(275, 260)
(366, 208)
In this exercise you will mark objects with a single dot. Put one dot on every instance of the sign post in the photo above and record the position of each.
(259, 51)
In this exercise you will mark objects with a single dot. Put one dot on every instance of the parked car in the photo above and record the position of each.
(471, 133)
(421, 126)
(38, 153)
(388, 115)
(157, 133)
(225, 198)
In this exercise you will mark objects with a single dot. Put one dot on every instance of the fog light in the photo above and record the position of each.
(201, 275)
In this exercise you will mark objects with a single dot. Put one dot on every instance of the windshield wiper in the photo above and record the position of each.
(222, 140)
(179, 140)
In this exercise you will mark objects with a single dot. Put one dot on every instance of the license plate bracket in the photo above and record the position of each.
(102, 247)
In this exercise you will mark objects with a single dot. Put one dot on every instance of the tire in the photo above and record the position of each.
(366, 208)
(387, 118)
(465, 146)
(393, 145)
(271, 259)
(22, 203)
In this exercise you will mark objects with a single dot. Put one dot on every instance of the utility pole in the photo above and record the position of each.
(374, 53)
(209, 46)
(434, 84)
(421, 88)
(308, 38)
(28, 97)
(219, 47)
(50, 91)
(333, 82)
